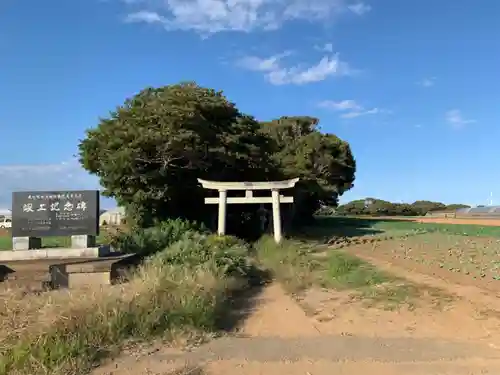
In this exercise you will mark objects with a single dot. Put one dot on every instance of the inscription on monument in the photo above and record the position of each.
(55, 213)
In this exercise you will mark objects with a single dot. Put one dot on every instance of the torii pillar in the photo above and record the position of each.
(276, 199)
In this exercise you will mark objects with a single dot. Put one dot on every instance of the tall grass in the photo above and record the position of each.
(298, 266)
(68, 332)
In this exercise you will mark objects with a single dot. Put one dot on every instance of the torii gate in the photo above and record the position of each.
(276, 199)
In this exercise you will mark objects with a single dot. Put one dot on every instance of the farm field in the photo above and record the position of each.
(464, 253)
(352, 225)
(493, 221)
(485, 221)
(468, 261)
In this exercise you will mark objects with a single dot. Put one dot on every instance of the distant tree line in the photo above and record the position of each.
(379, 207)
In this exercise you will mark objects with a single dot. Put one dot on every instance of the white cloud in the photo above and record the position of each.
(350, 108)
(455, 118)
(359, 113)
(145, 16)
(327, 47)
(278, 74)
(427, 82)
(341, 105)
(68, 175)
(360, 8)
(211, 16)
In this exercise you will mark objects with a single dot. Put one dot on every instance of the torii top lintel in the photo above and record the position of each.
(260, 185)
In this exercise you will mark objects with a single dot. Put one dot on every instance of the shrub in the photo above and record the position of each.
(292, 264)
(181, 290)
(148, 241)
(226, 253)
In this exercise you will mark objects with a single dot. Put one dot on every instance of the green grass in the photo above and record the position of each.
(349, 272)
(181, 294)
(65, 242)
(299, 266)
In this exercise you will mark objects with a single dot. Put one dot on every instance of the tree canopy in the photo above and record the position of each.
(323, 162)
(149, 152)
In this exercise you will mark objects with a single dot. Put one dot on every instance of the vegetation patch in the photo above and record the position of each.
(298, 267)
(146, 241)
(179, 292)
(475, 257)
(47, 242)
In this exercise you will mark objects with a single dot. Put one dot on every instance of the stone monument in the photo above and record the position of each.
(38, 214)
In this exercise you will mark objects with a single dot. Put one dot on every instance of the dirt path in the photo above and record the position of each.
(280, 338)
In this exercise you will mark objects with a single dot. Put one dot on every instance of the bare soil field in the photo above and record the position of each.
(450, 220)
(475, 221)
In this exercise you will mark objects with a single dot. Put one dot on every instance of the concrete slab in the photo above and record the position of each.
(93, 272)
(55, 253)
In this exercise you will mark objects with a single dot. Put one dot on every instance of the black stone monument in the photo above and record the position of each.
(55, 213)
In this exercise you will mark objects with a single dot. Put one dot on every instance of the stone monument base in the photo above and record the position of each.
(83, 241)
(26, 243)
(55, 253)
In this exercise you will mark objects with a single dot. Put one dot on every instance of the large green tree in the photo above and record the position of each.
(150, 151)
(323, 162)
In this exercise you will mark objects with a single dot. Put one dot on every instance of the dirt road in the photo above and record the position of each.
(279, 338)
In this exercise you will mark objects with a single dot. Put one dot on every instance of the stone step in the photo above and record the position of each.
(56, 273)
(103, 271)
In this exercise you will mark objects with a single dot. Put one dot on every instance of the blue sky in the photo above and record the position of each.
(413, 86)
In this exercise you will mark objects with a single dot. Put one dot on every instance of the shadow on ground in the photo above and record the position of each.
(242, 302)
(4, 272)
(325, 228)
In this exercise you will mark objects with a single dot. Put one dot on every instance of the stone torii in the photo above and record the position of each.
(276, 199)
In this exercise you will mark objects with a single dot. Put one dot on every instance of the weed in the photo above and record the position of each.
(176, 293)
(293, 265)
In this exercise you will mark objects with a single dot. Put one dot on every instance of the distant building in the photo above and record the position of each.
(478, 211)
(114, 216)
